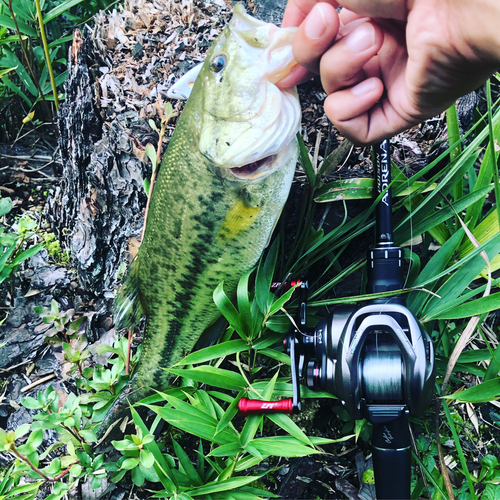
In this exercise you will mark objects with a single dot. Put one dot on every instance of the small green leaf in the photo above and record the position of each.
(147, 458)
(185, 464)
(22, 430)
(306, 163)
(125, 444)
(491, 492)
(489, 462)
(30, 490)
(162, 467)
(35, 439)
(138, 477)
(129, 463)
(89, 436)
(95, 483)
(229, 414)
(368, 477)
(7, 22)
(54, 467)
(5, 203)
(281, 446)
(214, 352)
(59, 491)
(152, 124)
(227, 308)
(280, 302)
(265, 272)
(210, 375)
(494, 366)
(151, 154)
(481, 393)
(288, 425)
(225, 485)
(76, 470)
(226, 450)
(244, 305)
(59, 9)
(345, 189)
(472, 308)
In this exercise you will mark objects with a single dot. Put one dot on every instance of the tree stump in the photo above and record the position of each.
(102, 197)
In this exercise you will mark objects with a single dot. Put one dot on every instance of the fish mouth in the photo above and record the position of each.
(255, 169)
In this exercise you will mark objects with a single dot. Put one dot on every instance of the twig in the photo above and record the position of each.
(27, 157)
(64, 472)
(47, 53)
(108, 430)
(442, 463)
(33, 467)
(38, 382)
(153, 179)
(2, 370)
(75, 434)
(129, 347)
(31, 170)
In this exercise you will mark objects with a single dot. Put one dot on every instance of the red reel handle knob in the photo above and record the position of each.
(284, 285)
(255, 407)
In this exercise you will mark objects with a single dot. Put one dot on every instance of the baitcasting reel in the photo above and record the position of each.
(376, 358)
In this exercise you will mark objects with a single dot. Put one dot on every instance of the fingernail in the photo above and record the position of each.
(361, 38)
(364, 87)
(315, 24)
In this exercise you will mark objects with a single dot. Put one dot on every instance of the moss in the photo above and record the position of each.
(53, 246)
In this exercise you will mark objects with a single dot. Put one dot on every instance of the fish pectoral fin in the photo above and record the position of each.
(128, 308)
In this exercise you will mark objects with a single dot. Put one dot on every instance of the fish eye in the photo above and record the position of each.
(218, 63)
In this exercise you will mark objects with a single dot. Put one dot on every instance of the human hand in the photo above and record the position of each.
(409, 61)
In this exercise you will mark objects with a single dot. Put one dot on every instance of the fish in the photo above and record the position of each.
(219, 193)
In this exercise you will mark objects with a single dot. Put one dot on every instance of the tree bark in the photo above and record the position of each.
(101, 202)
(270, 11)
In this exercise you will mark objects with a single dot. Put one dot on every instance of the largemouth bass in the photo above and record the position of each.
(220, 190)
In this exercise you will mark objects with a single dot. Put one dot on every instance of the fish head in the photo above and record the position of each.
(246, 119)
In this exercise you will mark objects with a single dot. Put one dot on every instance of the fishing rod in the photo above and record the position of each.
(376, 358)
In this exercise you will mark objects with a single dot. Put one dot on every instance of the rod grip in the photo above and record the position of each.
(255, 407)
(392, 471)
(391, 451)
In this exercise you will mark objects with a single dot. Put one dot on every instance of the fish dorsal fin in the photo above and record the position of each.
(128, 308)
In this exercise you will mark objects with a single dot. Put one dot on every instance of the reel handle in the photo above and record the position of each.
(248, 407)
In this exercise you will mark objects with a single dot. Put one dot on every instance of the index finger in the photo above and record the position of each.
(296, 10)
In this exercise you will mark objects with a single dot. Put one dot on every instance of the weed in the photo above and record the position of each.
(32, 40)
(14, 242)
